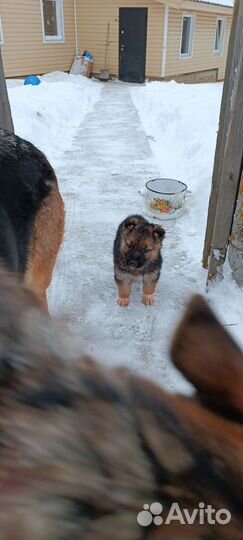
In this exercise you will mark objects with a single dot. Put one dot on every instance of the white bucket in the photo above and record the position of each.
(165, 198)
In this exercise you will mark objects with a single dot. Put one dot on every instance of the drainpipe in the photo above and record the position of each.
(165, 39)
(76, 27)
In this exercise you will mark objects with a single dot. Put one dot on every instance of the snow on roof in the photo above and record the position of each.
(226, 3)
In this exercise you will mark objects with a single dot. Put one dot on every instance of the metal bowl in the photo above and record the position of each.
(165, 198)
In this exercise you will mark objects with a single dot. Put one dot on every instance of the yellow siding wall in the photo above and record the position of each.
(23, 50)
(203, 57)
(93, 16)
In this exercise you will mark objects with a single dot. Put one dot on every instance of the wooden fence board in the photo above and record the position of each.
(228, 161)
(232, 62)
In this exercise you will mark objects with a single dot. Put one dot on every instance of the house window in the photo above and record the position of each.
(187, 33)
(219, 35)
(1, 32)
(52, 20)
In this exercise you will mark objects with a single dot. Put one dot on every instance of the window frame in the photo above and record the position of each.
(60, 37)
(220, 51)
(192, 16)
(1, 32)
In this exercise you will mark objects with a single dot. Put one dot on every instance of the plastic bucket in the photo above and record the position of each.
(165, 198)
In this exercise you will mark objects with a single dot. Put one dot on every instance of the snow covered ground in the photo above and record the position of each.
(181, 122)
(49, 114)
(105, 141)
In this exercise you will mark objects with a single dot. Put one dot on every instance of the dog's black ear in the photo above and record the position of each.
(130, 223)
(158, 232)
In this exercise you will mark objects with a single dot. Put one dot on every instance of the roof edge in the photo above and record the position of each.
(195, 5)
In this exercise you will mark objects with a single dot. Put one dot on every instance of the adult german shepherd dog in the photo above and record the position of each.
(83, 448)
(31, 213)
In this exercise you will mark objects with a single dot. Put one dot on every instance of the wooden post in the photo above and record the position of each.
(6, 121)
(236, 240)
(221, 138)
(230, 159)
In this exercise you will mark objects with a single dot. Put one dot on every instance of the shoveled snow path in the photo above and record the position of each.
(100, 178)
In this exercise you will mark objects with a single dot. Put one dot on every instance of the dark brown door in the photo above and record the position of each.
(132, 44)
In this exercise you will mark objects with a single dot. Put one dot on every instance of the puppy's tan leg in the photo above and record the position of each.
(148, 292)
(46, 240)
(124, 289)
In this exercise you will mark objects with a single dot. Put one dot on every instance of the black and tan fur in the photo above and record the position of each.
(84, 447)
(137, 256)
(31, 213)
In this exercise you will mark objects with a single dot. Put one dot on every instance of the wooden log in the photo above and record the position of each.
(6, 121)
(236, 240)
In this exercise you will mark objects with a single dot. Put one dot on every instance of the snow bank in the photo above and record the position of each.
(182, 121)
(49, 114)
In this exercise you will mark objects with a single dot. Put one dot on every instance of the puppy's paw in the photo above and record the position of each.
(123, 301)
(148, 299)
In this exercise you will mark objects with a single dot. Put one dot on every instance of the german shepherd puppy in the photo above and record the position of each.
(137, 256)
(83, 447)
(31, 213)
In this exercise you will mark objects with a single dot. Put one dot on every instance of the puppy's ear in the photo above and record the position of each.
(158, 232)
(209, 358)
(130, 223)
